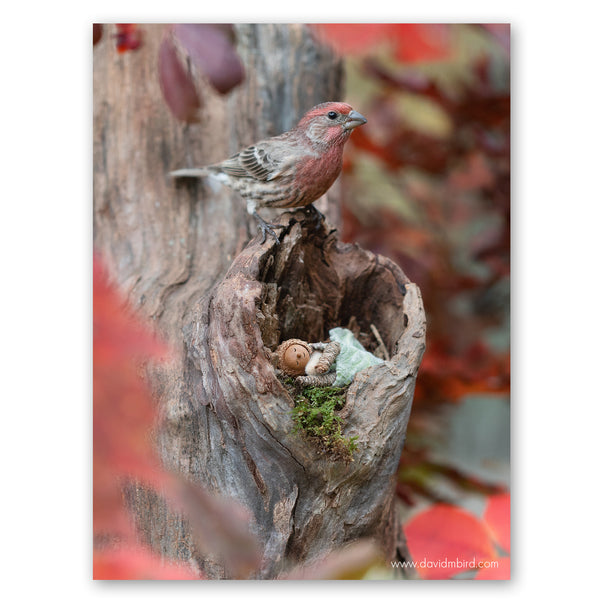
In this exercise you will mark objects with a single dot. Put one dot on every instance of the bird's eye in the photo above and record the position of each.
(332, 115)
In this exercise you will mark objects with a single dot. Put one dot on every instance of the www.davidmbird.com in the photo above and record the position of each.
(444, 563)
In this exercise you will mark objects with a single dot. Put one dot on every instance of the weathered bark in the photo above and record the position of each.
(305, 503)
(228, 423)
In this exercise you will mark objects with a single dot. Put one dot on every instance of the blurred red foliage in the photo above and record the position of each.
(444, 541)
(123, 418)
(451, 230)
(136, 562)
(427, 183)
(123, 410)
(411, 42)
(456, 243)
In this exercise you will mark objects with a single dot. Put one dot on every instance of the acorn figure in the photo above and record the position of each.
(324, 364)
(310, 364)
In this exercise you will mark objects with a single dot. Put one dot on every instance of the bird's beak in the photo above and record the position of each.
(355, 119)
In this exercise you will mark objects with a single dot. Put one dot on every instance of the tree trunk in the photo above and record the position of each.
(181, 254)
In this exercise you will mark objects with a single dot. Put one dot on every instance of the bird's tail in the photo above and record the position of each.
(197, 172)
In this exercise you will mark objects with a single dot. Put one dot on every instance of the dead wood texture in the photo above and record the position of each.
(180, 254)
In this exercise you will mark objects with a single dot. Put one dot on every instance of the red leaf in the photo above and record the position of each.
(497, 518)
(136, 562)
(123, 409)
(417, 43)
(128, 37)
(176, 83)
(500, 570)
(211, 49)
(351, 38)
(445, 540)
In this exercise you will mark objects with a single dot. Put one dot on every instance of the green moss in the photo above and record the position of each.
(316, 415)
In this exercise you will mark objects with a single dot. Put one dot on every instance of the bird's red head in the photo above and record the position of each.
(322, 109)
(330, 122)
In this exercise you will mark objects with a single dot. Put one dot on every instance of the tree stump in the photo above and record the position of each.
(304, 503)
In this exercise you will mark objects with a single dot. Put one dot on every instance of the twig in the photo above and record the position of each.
(378, 338)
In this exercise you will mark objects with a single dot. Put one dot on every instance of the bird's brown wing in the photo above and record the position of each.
(232, 166)
(258, 162)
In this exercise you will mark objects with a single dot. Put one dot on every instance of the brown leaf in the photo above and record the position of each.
(176, 83)
(97, 33)
(210, 48)
(220, 526)
(351, 562)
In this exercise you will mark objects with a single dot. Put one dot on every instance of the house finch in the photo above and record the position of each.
(291, 170)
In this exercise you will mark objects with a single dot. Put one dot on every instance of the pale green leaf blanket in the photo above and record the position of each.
(352, 357)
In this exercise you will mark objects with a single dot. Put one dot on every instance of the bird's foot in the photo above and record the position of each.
(267, 228)
(311, 211)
